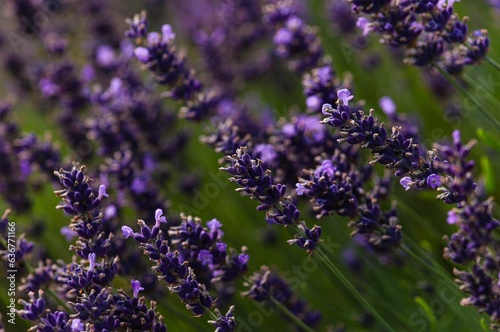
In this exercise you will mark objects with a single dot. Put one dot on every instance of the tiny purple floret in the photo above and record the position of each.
(406, 182)
(142, 54)
(136, 287)
(433, 181)
(92, 257)
(159, 217)
(127, 231)
(452, 217)
(344, 95)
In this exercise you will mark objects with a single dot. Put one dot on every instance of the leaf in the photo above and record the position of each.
(488, 138)
(488, 173)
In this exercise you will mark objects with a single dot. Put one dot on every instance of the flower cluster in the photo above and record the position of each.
(20, 156)
(265, 286)
(169, 67)
(444, 169)
(108, 310)
(257, 182)
(199, 245)
(430, 30)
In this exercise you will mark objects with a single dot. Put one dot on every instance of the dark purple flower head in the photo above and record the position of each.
(33, 309)
(138, 26)
(265, 285)
(226, 323)
(308, 239)
(78, 197)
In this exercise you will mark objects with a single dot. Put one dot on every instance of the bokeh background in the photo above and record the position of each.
(406, 290)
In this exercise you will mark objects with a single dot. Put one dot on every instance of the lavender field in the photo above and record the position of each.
(250, 165)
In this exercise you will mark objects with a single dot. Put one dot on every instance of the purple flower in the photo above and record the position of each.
(138, 185)
(77, 325)
(159, 217)
(300, 189)
(387, 105)
(313, 102)
(92, 262)
(452, 217)
(456, 137)
(167, 33)
(110, 211)
(283, 36)
(68, 233)
(102, 192)
(344, 95)
(364, 24)
(214, 226)
(127, 231)
(105, 56)
(406, 182)
(153, 38)
(205, 257)
(327, 109)
(433, 181)
(266, 152)
(142, 54)
(136, 287)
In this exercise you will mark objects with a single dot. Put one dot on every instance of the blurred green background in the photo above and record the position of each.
(414, 294)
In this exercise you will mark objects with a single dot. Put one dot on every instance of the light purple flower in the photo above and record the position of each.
(344, 95)
(326, 109)
(102, 192)
(127, 231)
(138, 185)
(105, 56)
(387, 105)
(159, 217)
(326, 168)
(364, 24)
(153, 38)
(110, 211)
(68, 233)
(266, 152)
(142, 54)
(433, 181)
(283, 36)
(167, 33)
(300, 189)
(313, 102)
(452, 217)
(456, 136)
(87, 74)
(92, 257)
(77, 325)
(214, 225)
(136, 287)
(205, 257)
(406, 182)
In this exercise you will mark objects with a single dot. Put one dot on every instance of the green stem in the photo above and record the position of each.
(347, 283)
(468, 95)
(493, 101)
(487, 58)
(492, 62)
(58, 300)
(351, 288)
(290, 315)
